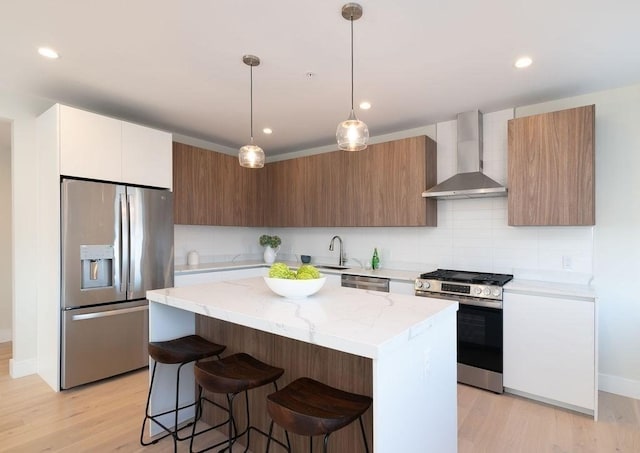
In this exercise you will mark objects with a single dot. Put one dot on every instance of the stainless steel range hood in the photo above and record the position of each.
(470, 181)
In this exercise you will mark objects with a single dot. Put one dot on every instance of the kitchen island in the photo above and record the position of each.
(399, 349)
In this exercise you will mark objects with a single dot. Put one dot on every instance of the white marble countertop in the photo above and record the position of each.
(365, 323)
(393, 274)
(546, 288)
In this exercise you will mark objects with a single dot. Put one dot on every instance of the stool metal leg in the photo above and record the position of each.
(171, 431)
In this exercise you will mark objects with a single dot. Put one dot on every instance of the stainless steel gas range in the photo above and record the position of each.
(479, 321)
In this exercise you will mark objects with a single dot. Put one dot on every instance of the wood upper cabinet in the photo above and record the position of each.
(385, 184)
(552, 168)
(211, 188)
(380, 186)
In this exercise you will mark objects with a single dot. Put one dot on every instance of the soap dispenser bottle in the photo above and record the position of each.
(375, 260)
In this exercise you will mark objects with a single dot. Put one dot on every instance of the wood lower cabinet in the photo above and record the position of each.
(211, 188)
(552, 168)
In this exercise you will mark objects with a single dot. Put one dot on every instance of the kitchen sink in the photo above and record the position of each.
(331, 266)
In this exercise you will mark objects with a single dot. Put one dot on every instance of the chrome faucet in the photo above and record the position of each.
(341, 259)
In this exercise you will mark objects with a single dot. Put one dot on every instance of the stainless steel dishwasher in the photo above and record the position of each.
(365, 282)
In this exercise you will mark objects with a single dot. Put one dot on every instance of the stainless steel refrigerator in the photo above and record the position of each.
(117, 243)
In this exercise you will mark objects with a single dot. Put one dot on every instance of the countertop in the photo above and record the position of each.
(392, 274)
(554, 289)
(365, 323)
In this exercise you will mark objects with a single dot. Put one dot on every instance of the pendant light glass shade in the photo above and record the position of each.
(251, 156)
(352, 134)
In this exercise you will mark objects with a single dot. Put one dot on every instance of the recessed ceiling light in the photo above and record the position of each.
(48, 52)
(523, 62)
(365, 105)
(267, 130)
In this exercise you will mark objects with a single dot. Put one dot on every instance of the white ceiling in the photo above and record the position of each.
(177, 65)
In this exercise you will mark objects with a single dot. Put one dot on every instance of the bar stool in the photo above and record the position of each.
(182, 350)
(310, 408)
(230, 376)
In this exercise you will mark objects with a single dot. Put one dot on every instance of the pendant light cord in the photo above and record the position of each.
(251, 97)
(351, 20)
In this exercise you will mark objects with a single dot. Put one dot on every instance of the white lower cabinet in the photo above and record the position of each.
(550, 349)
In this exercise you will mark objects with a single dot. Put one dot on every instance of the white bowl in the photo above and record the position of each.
(294, 289)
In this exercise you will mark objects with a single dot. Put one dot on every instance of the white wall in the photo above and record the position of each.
(5, 231)
(22, 110)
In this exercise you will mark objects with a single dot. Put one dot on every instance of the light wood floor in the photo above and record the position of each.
(106, 417)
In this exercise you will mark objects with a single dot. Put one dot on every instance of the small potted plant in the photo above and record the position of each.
(271, 245)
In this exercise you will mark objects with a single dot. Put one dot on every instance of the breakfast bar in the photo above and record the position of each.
(399, 349)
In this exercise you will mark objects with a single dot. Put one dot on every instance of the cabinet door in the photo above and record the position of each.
(146, 156)
(211, 188)
(90, 145)
(388, 179)
(380, 186)
(287, 187)
(551, 168)
(549, 348)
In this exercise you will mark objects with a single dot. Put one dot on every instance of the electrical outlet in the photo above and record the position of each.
(567, 262)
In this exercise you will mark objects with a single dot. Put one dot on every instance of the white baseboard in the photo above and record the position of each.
(22, 368)
(5, 335)
(619, 385)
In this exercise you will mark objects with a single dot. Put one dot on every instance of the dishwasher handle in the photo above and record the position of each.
(365, 282)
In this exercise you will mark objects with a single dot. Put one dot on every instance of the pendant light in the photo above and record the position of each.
(352, 134)
(251, 156)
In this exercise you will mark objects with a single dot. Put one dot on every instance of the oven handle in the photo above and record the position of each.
(488, 303)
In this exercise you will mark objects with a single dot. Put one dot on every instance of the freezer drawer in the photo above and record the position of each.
(103, 341)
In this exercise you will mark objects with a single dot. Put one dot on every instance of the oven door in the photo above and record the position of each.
(480, 347)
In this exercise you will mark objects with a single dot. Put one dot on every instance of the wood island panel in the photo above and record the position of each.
(339, 369)
(552, 168)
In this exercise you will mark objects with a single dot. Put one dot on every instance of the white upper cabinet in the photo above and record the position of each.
(97, 147)
(146, 156)
(90, 145)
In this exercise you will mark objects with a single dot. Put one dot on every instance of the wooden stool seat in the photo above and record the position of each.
(310, 408)
(183, 350)
(231, 376)
(235, 374)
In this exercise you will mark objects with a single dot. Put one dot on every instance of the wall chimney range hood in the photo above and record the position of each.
(469, 181)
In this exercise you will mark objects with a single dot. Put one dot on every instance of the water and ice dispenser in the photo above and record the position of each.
(97, 266)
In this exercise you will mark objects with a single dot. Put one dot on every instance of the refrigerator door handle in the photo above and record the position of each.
(104, 314)
(124, 243)
(130, 237)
